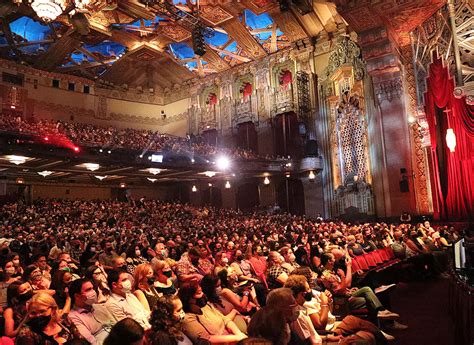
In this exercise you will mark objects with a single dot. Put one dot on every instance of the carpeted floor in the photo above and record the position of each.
(423, 306)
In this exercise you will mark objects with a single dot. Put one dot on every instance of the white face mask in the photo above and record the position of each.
(225, 260)
(10, 270)
(126, 286)
(181, 316)
(138, 253)
(91, 298)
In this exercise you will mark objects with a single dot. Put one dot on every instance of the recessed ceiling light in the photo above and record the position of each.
(153, 180)
(45, 173)
(17, 160)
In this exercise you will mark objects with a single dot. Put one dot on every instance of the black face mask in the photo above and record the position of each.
(240, 258)
(25, 296)
(201, 302)
(195, 262)
(308, 296)
(167, 273)
(37, 324)
(150, 281)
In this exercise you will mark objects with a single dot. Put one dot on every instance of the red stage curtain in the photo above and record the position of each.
(456, 199)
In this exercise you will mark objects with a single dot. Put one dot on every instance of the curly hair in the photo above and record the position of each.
(163, 322)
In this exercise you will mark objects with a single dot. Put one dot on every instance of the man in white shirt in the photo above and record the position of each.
(122, 302)
(94, 323)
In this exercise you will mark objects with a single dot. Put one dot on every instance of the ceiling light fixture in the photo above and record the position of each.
(45, 173)
(154, 171)
(451, 139)
(20, 180)
(227, 185)
(210, 173)
(153, 180)
(92, 166)
(266, 181)
(48, 10)
(194, 189)
(100, 177)
(311, 175)
(17, 160)
(123, 185)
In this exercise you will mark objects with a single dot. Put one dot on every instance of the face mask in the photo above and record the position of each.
(138, 253)
(37, 324)
(168, 273)
(201, 302)
(308, 296)
(164, 253)
(292, 258)
(150, 281)
(16, 263)
(240, 258)
(126, 286)
(10, 270)
(91, 298)
(181, 316)
(25, 296)
(195, 262)
(225, 260)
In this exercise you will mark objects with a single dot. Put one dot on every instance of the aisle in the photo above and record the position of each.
(423, 306)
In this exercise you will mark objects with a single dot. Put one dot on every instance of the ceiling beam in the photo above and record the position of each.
(58, 51)
(288, 24)
(244, 39)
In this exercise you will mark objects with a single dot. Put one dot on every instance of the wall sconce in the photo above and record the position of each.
(311, 176)
(266, 181)
(194, 189)
(227, 185)
(451, 139)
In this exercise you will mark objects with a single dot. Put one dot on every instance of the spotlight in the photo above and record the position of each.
(123, 185)
(223, 163)
(46, 139)
(76, 149)
(20, 180)
(100, 150)
(141, 156)
(109, 152)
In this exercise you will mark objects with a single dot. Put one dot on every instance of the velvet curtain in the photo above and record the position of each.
(453, 172)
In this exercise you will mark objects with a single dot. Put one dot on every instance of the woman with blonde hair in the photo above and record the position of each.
(143, 286)
(45, 324)
(164, 283)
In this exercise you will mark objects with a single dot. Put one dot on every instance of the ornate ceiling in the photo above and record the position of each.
(129, 44)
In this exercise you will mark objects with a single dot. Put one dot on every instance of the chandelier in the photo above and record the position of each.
(48, 10)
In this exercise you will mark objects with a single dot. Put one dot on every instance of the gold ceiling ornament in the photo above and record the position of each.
(48, 10)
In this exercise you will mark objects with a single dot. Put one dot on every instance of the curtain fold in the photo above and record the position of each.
(457, 202)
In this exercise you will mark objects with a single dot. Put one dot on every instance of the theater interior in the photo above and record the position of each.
(336, 136)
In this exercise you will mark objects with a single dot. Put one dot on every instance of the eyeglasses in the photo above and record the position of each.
(97, 273)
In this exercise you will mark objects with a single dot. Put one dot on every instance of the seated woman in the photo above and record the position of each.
(163, 281)
(34, 276)
(98, 277)
(276, 274)
(166, 323)
(211, 286)
(143, 286)
(18, 294)
(60, 283)
(45, 324)
(203, 321)
(242, 297)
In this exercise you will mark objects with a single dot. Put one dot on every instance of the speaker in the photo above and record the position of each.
(199, 45)
(284, 5)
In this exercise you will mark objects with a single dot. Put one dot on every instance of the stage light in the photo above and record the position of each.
(109, 152)
(227, 185)
(17, 160)
(141, 156)
(76, 149)
(100, 150)
(223, 163)
(194, 189)
(311, 176)
(266, 181)
(199, 46)
(45, 173)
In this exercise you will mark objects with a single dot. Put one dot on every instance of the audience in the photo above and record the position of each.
(188, 274)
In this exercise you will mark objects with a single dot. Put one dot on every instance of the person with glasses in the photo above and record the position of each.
(98, 277)
(45, 325)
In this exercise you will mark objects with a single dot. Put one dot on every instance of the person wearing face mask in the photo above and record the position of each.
(15, 258)
(203, 321)
(273, 321)
(166, 323)
(134, 258)
(18, 294)
(98, 277)
(33, 275)
(290, 259)
(187, 268)
(276, 274)
(144, 289)
(164, 283)
(92, 322)
(122, 302)
(44, 324)
(61, 282)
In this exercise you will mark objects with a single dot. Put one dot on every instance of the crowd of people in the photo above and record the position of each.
(112, 138)
(151, 272)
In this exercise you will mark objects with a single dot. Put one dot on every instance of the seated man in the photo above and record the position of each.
(315, 315)
(122, 302)
(92, 322)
